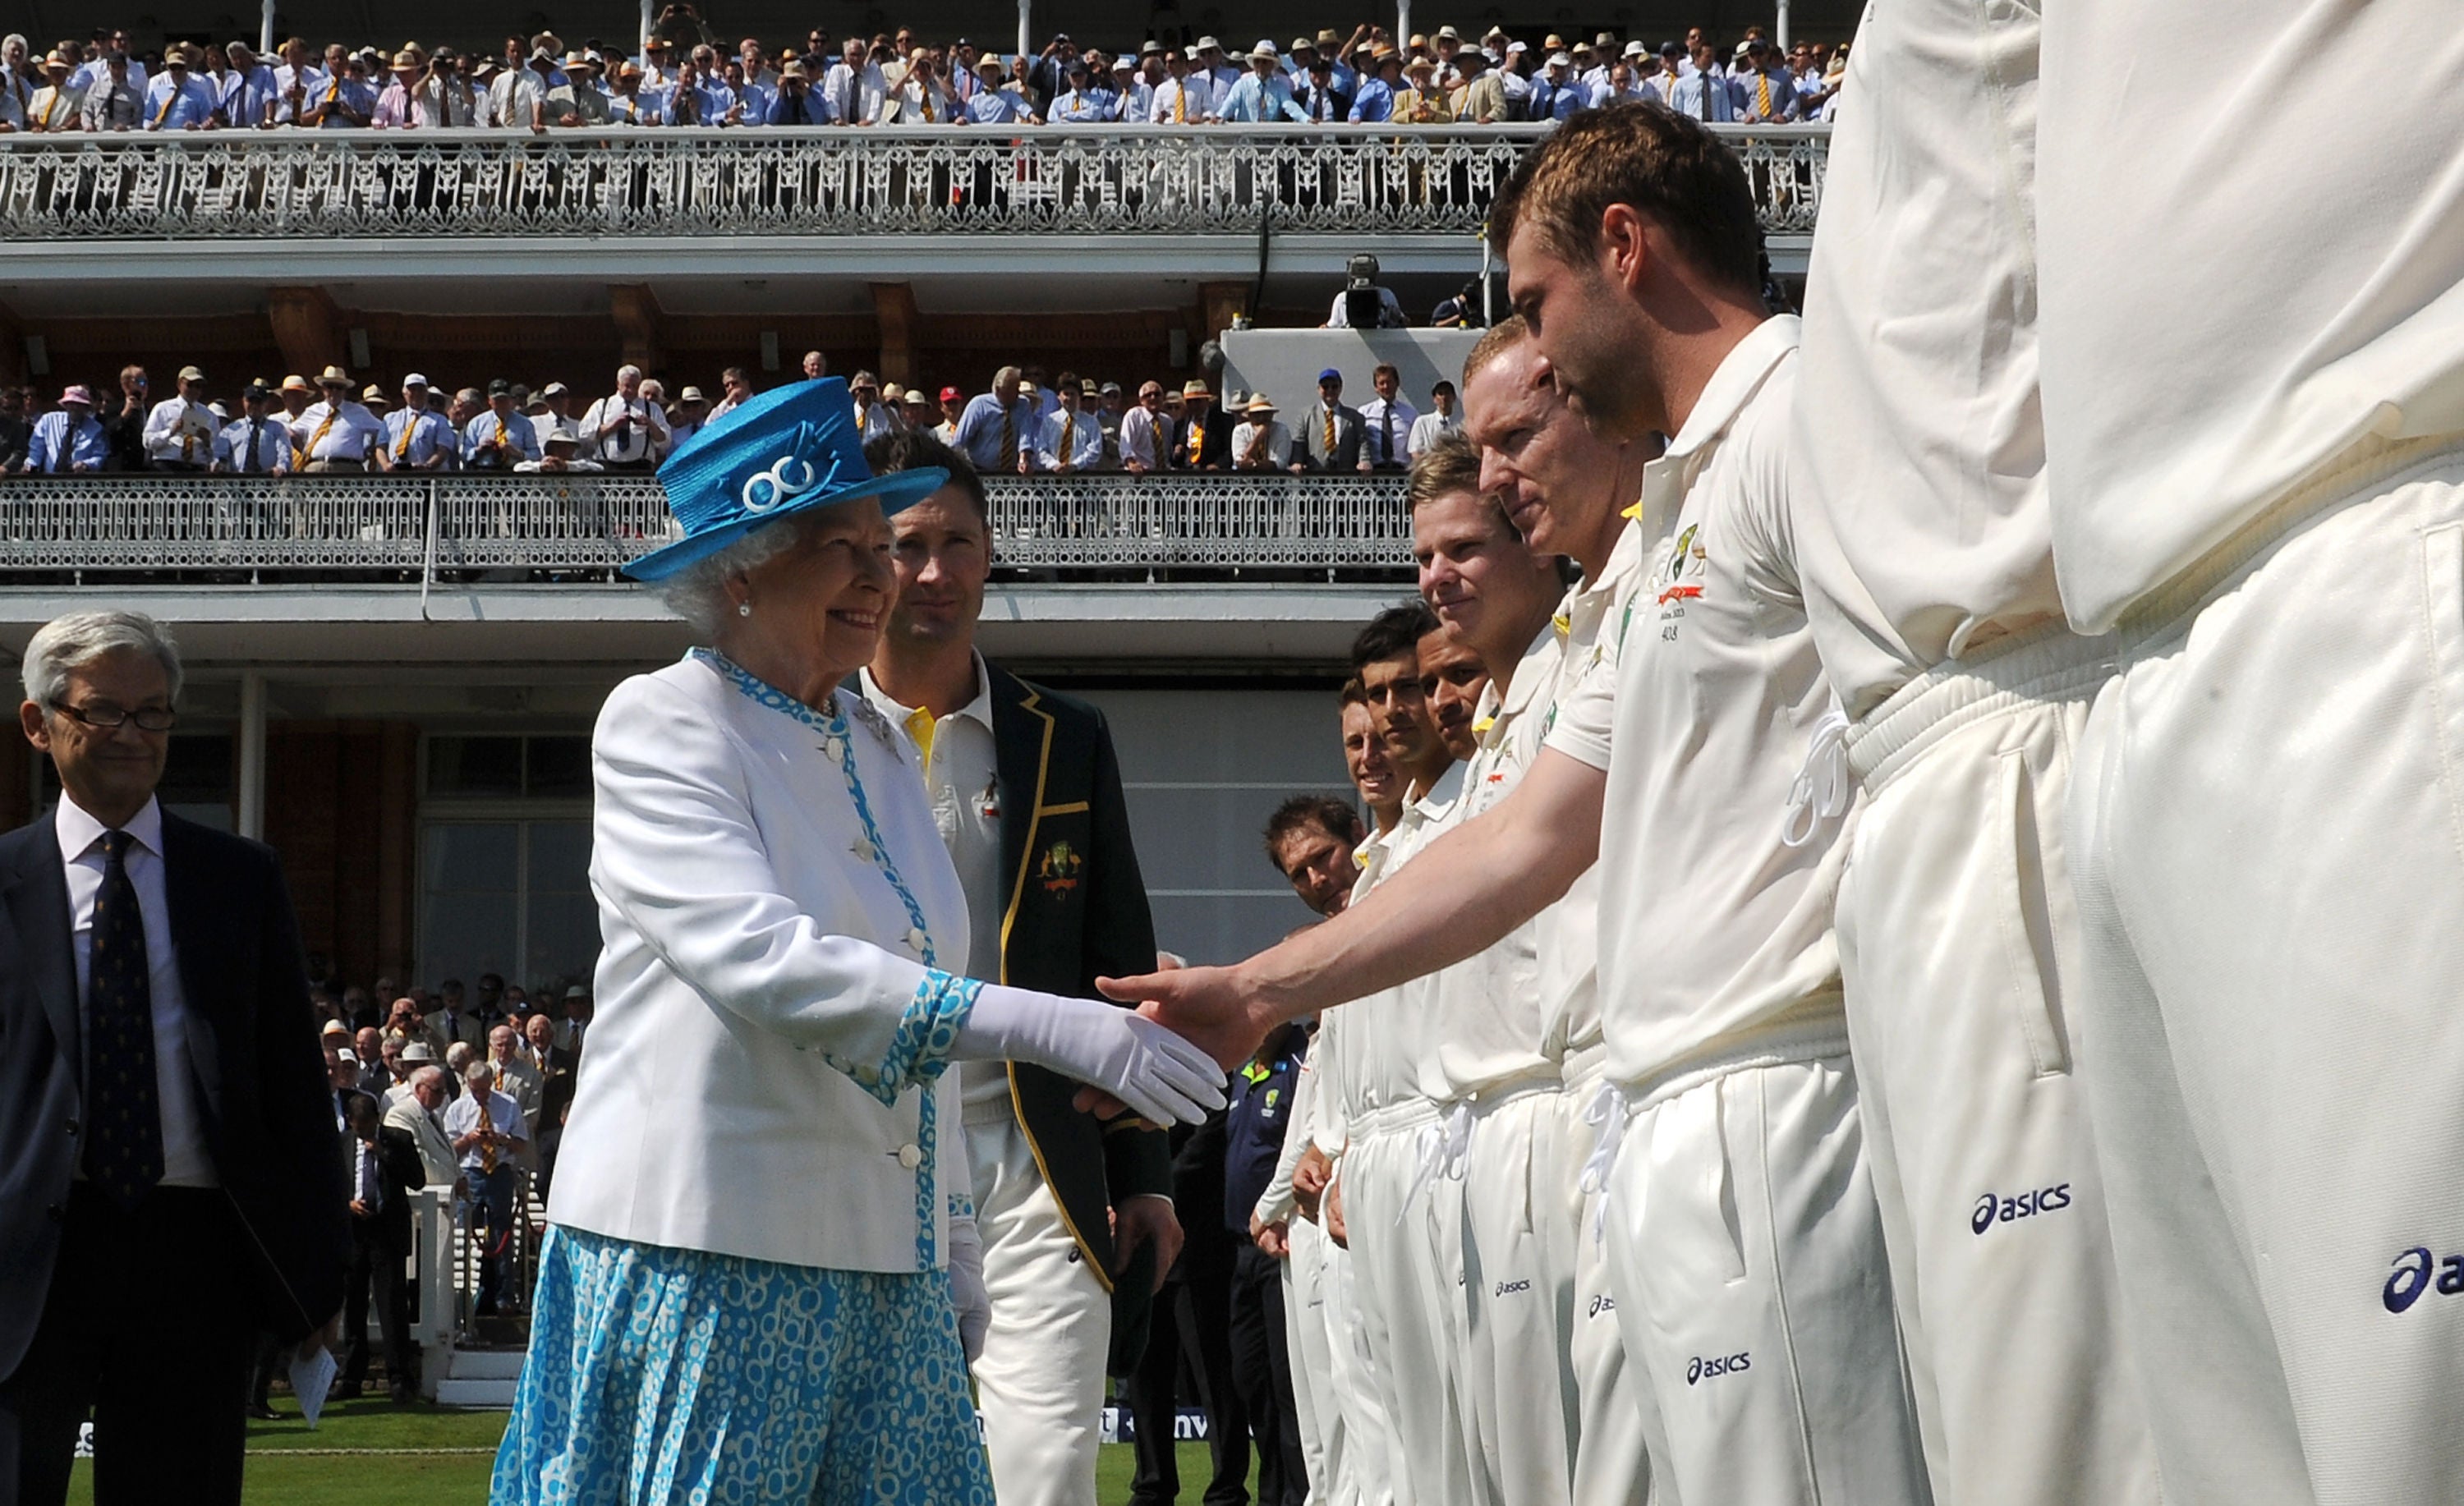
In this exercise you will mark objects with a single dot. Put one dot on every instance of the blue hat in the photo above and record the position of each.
(788, 450)
(1330, 374)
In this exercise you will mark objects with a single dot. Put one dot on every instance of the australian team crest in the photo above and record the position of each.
(1058, 869)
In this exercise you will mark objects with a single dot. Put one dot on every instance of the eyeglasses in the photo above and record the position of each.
(111, 718)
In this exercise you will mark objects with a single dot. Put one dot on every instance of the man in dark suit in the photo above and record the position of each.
(168, 1175)
(385, 1169)
(1075, 1214)
(1201, 437)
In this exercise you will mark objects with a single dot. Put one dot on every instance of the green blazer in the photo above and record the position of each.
(1075, 910)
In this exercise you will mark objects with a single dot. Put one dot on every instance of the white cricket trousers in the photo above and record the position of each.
(1304, 1337)
(1407, 1309)
(1960, 948)
(1039, 1381)
(1517, 1252)
(2269, 831)
(1364, 1458)
(1611, 1457)
(1746, 1255)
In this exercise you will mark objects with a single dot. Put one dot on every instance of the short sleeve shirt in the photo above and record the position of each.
(1702, 720)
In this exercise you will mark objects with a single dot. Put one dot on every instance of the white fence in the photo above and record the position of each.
(702, 182)
(406, 528)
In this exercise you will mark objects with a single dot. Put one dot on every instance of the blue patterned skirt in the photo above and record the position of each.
(659, 1375)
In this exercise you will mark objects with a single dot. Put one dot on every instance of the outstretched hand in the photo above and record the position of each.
(1208, 1006)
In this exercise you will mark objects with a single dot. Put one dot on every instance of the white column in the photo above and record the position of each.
(1780, 25)
(648, 20)
(252, 755)
(265, 31)
(1026, 28)
(1402, 23)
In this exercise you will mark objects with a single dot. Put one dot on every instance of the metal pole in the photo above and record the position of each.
(428, 563)
(1487, 297)
(1780, 25)
(252, 755)
(1026, 28)
(265, 31)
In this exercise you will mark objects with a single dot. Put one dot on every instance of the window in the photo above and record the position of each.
(1203, 770)
(509, 897)
(504, 861)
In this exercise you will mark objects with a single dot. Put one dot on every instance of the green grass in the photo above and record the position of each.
(449, 1479)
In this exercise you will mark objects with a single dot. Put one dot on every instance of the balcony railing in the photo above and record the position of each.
(401, 528)
(706, 181)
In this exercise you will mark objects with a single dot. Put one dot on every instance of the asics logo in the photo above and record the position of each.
(1505, 1287)
(1702, 1369)
(2414, 1275)
(1993, 1207)
(1602, 1303)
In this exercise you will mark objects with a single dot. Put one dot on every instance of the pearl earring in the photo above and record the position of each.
(744, 609)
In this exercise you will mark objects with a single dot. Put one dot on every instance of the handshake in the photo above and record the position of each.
(1163, 1061)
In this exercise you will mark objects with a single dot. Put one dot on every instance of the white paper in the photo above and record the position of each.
(311, 1378)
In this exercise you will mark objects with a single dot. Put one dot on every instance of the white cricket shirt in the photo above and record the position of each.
(1702, 716)
(1590, 620)
(1486, 1027)
(963, 780)
(2244, 271)
(1921, 494)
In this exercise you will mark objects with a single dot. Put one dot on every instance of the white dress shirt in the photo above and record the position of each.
(962, 781)
(187, 1161)
(1278, 451)
(182, 430)
(1142, 436)
(353, 432)
(504, 1117)
(620, 432)
(759, 966)
(1430, 428)
(1386, 430)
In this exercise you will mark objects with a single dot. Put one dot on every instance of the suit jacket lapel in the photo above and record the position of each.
(190, 889)
(1021, 750)
(37, 898)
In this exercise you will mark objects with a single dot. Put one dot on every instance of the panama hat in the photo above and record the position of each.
(790, 451)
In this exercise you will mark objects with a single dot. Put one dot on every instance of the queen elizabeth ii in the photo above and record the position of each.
(762, 1268)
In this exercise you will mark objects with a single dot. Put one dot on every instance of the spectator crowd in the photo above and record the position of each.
(456, 1089)
(683, 75)
(1025, 423)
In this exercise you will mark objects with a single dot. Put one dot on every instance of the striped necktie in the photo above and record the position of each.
(1008, 439)
(1330, 434)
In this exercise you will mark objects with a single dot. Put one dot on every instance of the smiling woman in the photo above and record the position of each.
(752, 1304)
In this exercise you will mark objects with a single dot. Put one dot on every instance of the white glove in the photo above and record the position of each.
(967, 1292)
(1159, 1074)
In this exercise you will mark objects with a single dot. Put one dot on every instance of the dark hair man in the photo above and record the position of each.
(1077, 1218)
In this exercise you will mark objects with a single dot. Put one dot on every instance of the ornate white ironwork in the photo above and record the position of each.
(700, 182)
(406, 526)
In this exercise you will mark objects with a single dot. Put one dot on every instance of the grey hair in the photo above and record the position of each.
(80, 637)
(698, 592)
(426, 1073)
(627, 370)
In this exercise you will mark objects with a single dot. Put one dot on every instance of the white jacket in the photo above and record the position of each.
(756, 958)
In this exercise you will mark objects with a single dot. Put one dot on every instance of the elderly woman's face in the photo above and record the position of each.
(818, 606)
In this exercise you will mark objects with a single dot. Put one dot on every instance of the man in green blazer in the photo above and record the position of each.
(1075, 1214)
